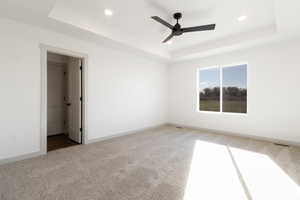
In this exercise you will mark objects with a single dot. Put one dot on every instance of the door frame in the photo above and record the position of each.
(44, 49)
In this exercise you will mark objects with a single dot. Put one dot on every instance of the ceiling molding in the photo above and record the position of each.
(283, 24)
(225, 44)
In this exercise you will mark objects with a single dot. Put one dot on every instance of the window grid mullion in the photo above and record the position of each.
(221, 89)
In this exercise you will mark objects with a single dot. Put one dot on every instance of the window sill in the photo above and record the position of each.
(222, 113)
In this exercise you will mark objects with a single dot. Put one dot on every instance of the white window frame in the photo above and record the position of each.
(220, 67)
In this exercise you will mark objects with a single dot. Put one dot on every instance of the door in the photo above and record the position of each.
(74, 99)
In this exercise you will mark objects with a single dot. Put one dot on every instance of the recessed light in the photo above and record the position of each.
(108, 12)
(170, 42)
(242, 18)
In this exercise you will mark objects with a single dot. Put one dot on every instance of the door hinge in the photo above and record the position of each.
(81, 67)
(80, 129)
(80, 98)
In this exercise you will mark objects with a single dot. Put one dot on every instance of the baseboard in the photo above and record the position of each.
(22, 157)
(272, 140)
(58, 134)
(124, 133)
(39, 153)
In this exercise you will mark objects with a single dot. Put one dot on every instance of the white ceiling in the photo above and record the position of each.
(131, 23)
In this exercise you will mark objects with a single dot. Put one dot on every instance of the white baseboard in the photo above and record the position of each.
(39, 153)
(272, 140)
(21, 157)
(56, 133)
(124, 133)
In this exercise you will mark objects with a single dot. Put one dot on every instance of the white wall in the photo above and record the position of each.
(125, 91)
(56, 91)
(273, 93)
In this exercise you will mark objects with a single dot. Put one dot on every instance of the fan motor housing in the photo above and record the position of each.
(177, 30)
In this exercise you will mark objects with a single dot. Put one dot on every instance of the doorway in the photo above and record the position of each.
(64, 101)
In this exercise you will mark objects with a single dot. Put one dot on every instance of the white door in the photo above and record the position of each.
(74, 102)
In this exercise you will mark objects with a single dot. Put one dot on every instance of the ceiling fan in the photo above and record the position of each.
(177, 30)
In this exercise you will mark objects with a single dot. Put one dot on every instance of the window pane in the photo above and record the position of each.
(235, 89)
(209, 93)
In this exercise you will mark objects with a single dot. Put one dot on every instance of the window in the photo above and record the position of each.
(223, 89)
(210, 89)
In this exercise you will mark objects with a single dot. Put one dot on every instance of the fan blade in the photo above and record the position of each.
(168, 38)
(163, 22)
(208, 27)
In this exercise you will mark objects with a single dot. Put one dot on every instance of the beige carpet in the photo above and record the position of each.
(154, 165)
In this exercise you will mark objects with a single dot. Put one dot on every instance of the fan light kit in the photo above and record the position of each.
(177, 30)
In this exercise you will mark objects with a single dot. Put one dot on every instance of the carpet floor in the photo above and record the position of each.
(165, 163)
